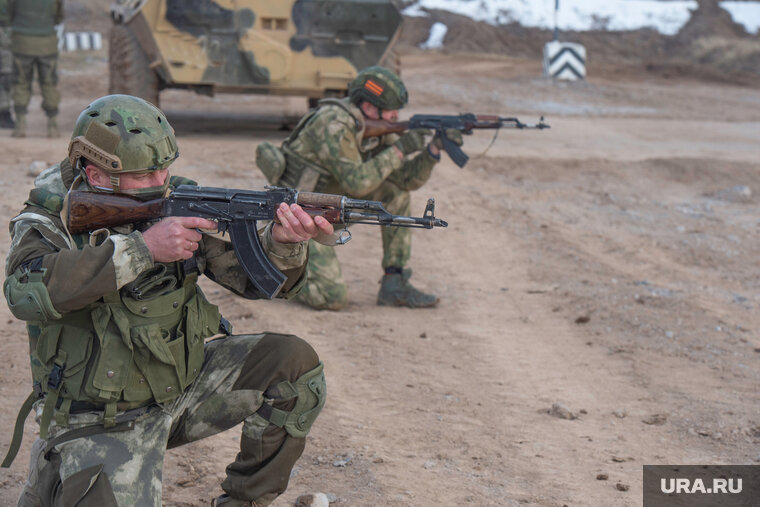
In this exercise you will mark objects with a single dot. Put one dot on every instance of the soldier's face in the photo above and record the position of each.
(127, 181)
(373, 113)
(150, 179)
(390, 115)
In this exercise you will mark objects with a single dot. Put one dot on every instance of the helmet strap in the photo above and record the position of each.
(114, 181)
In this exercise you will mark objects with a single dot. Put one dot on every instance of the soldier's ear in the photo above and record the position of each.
(96, 176)
(369, 110)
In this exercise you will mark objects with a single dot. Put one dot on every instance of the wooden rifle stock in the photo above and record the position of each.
(89, 211)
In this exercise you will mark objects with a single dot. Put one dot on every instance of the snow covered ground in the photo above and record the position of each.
(579, 15)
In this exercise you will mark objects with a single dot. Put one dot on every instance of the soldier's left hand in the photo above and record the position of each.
(453, 135)
(296, 225)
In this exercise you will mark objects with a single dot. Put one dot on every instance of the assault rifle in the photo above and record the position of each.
(464, 123)
(236, 212)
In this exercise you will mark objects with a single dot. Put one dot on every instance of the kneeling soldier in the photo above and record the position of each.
(118, 326)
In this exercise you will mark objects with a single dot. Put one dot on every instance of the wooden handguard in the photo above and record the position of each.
(89, 211)
(316, 200)
(334, 216)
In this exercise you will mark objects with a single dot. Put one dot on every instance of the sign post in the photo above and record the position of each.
(563, 60)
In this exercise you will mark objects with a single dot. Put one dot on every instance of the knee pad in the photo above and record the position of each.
(28, 297)
(309, 391)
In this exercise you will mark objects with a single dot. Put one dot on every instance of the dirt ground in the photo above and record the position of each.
(606, 267)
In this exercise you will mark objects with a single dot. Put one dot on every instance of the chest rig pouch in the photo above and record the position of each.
(139, 345)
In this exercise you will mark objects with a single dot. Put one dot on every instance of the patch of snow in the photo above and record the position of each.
(746, 14)
(580, 15)
(435, 39)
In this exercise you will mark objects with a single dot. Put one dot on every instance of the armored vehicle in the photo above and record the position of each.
(309, 48)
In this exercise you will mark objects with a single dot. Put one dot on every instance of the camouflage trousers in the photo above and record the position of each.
(325, 288)
(6, 68)
(47, 75)
(124, 468)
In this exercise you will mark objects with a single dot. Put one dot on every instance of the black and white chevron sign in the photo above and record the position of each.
(80, 41)
(564, 60)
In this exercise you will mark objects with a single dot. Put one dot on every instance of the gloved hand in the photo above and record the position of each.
(454, 136)
(412, 141)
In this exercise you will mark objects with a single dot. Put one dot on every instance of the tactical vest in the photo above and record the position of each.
(35, 17)
(304, 174)
(139, 345)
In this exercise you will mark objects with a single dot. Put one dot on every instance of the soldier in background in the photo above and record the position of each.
(6, 68)
(35, 46)
(327, 152)
(118, 326)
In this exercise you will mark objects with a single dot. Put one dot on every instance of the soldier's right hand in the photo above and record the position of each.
(412, 141)
(175, 238)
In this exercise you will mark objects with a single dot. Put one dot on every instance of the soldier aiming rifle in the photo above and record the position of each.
(356, 146)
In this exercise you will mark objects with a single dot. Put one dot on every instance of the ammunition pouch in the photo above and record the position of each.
(300, 173)
(124, 350)
(271, 161)
(310, 392)
(28, 297)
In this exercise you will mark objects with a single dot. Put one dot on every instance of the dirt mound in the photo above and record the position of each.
(713, 40)
(709, 20)
(711, 46)
(465, 34)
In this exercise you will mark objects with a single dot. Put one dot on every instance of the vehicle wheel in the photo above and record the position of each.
(129, 68)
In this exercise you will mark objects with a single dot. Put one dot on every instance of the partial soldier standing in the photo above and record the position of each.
(327, 152)
(35, 48)
(118, 326)
(6, 68)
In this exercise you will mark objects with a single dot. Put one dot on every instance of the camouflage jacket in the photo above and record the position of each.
(78, 275)
(123, 330)
(33, 26)
(332, 139)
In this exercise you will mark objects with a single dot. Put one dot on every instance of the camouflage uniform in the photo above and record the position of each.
(6, 59)
(107, 453)
(331, 141)
(35, 46)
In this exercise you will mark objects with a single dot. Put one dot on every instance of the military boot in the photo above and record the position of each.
(52, 127)
(397, 291)
(6, 120)
(227, 501)
(20, 130)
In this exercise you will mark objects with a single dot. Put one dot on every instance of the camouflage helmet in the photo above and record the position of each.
(379, 86)
(123, 134)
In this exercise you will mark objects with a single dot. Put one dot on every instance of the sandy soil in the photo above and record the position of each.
(607, 266)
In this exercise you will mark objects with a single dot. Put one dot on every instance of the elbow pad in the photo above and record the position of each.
(28, 297)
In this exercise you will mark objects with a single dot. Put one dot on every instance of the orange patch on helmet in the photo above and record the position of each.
(373, 87)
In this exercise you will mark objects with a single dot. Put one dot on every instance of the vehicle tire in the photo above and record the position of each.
(128, 67)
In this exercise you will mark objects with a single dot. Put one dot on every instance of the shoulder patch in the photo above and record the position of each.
(175, 181)
(46, 199)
